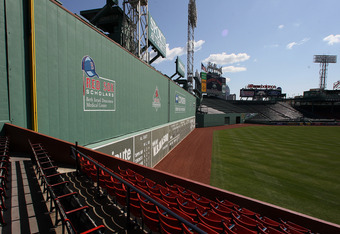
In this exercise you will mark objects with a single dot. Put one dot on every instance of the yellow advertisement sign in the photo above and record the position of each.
(204, 86)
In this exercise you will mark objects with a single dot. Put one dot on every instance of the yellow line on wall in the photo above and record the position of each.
(34, 108)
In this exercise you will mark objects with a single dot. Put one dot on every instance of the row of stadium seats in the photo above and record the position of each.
(68, 209)
(211, 216)
(4, 165)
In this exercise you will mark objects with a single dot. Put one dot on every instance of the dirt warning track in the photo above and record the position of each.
(191, 159)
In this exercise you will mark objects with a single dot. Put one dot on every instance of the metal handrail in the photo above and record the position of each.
(75, 151)
(51, 195)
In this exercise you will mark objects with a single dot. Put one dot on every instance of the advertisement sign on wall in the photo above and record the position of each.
(180, 102)
(204, 82)
(156, 99)
(121, 149)
(178, 131)
(98, 92)
(142, 149)
(150, 147)
(156, 37)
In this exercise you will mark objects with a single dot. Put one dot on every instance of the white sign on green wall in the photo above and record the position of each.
(156, 37)
(98, 92)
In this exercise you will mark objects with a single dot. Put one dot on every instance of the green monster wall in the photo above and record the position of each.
(88, 88)
(14, 84)
(4, 105)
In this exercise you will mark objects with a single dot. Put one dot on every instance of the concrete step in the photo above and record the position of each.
(26, 209)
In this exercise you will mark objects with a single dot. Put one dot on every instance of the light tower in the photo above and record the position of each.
(324, 60)
(192, 23)
(135, 27)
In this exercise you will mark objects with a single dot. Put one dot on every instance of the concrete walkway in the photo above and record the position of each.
(26, 209)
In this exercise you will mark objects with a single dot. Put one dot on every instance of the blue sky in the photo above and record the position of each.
(255, 41)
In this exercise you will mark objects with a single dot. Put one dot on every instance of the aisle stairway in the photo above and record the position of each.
(27, 211)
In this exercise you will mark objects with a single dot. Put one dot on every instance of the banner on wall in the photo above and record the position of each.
(180, 103)
(142, 149)
(150, 147)
(99, 94)
(121, 149)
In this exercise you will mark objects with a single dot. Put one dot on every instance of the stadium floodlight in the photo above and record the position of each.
(324, 60)
(192, 23)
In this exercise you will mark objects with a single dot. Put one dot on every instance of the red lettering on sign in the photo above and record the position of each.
(108, 87)
(92, 83)
(88, 80)
(97, 84)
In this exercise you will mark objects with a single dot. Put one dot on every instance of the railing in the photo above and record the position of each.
(4, 163)
(129, 186)
(46, 174)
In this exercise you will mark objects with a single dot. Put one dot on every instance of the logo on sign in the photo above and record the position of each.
(98, 92)
(156, 103)
(180, 103)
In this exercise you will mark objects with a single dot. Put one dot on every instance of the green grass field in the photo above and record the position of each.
(293, 167)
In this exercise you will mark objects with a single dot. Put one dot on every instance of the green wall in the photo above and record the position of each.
(211, 120)
(14, 83)
(62, 40)
(4, 105)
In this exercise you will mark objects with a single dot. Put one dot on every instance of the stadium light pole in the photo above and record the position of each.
(192, 23)
(324, 60)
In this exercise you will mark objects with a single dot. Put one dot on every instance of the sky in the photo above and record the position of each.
(269, 42)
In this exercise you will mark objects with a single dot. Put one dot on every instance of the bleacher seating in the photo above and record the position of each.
(163, 207)
(68, 209)
(263, 111)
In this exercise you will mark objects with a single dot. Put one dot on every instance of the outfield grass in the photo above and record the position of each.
(293, 167)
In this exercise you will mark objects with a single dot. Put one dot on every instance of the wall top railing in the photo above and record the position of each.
(74, 154)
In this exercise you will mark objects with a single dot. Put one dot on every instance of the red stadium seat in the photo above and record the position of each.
(168, 229)
(203, 201)
(167, 218)
(221, 209)
(150, 218)
(201, 226)
(212, 219)
(244, 211)
(297, 227)
(226, 203)
(247, 222)
(269, 230)
(237, 229)
(267, 221)
(145, 203)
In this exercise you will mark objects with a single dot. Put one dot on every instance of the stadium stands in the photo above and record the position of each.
(160, 206)
(68, 209)
(260, 110)
(152, 203)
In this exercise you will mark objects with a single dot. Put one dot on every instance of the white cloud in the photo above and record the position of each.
(332, 39)
(198, 45)
(171, 54)
(224, 58)
(281, 26)
(233, 69)
(292, 44)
